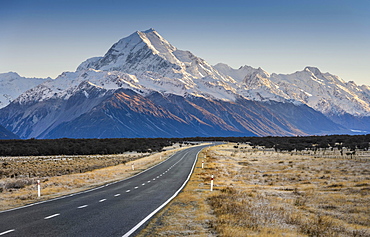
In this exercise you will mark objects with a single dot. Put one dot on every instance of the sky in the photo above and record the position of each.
(43, 38)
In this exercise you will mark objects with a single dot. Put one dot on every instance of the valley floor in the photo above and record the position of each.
(265, 193)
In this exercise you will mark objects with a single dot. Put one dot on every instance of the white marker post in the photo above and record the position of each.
(38, 189)
(133, 166)
(211, 183)
(160, 157)
(202, 164)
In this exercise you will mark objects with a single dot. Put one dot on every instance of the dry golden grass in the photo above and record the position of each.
(20, 191)
(189, 213)
(264, 193)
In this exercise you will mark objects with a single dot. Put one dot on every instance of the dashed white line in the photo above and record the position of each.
(143, 184)
(6, 232)
(128, 191)
(157, 177)
(49, 217)
(102, 200)
(149, 181)
(118, 194)
(80, 207)
(136, 187)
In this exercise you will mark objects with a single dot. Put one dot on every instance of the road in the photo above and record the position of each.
(115, 209)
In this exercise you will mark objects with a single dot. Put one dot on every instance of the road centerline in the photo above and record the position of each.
(52, 216)
(106, 219)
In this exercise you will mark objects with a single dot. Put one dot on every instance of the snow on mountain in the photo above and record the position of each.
(144, 75)
(160, 66)
(146, 62)
(12, 85)
(68, 83)
(324, 92)
(237, 74)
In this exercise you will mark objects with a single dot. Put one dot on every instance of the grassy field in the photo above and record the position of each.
(62, 175)
(265, 193)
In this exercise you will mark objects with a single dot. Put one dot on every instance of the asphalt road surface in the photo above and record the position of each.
(116, 209)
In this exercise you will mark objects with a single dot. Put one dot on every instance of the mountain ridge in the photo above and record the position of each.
(145, 64)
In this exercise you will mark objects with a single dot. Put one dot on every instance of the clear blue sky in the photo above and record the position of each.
(40, 38)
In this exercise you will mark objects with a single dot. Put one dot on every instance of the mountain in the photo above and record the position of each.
(343, 102)
(6, 134)
(160, 66)
(12, 85)
(94, 112)
(145, 87)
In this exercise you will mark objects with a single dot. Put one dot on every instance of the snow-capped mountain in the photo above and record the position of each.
(344, 102)
(324, 92)
(145, 87)
(160, 66)
(12, 85)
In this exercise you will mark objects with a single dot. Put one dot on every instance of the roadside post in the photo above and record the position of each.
(211, 183)
(38, 189)
(202, 164)
(133, 166)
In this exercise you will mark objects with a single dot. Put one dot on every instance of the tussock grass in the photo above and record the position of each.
(266, 193)
(189, 213)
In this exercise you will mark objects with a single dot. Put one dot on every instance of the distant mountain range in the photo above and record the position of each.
(145, 87)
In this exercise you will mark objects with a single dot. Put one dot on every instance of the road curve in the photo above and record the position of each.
(116, 209)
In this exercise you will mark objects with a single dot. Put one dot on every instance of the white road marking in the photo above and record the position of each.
(75, 194)
(143, 184)
(48, 217)
(128, 191)
(80, 207)
(149, 181)
(136, 187)
(157, 177)
(6, 232)
(137, 226)
(102, 200)
(118, 194)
